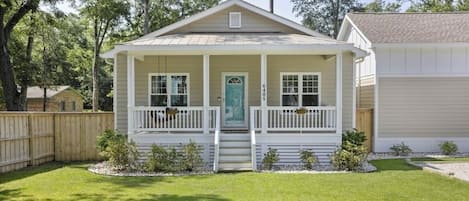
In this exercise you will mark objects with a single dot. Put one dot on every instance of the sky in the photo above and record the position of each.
(281, 7)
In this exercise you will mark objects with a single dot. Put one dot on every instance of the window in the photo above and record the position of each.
(169, 90)
(235, 20)
(62, 106)
(300, 89)
(74, 106)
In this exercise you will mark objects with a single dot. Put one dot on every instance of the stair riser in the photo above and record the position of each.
(235, 151)
(235, 144)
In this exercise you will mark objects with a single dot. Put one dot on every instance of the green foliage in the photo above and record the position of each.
(161, 159)
(383, 6)
(448, 148)
(308, 159)
(119, 153)
(401, 149)
(191, 156)
(352, 153)
(270, 157)
(354, 136)
(324, 16)
(349, 157)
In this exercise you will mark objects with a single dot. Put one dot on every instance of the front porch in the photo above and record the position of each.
(277, 94)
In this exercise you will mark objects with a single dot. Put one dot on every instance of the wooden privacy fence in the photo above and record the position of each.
(35, 138)
(364, 122)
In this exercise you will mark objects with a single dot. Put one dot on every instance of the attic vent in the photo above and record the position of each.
(235, 20)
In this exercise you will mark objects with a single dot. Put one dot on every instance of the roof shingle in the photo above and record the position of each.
(413, 27)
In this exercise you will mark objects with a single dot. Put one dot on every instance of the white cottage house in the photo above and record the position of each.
(416, 77)
(236, 79)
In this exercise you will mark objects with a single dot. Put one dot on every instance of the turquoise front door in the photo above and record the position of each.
(234, 110)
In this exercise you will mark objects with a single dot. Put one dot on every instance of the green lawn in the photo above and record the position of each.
(395, 180)
(442, 160)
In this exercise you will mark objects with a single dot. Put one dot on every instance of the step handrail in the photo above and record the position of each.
(217, 150)
(253, 150)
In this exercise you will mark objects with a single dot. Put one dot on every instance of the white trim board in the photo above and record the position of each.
(422, 75)
(421, 144)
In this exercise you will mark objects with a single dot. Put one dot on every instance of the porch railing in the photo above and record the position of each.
(286, 118)
(177, 119)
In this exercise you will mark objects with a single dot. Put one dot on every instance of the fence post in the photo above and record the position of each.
(31, 140)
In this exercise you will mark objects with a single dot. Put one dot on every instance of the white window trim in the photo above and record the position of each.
(300, 86)
(240, 20)
(150, 75)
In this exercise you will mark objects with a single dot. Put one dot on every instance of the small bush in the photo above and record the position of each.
(270, 157)
(308, 159)
(352, 153)
(448, 148)
(120, 153)
(354, 136)
(191, 156)
(159, 160)
(349, 157)
(401, 149)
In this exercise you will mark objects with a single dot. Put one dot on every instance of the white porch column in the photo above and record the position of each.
(206, 84)
(130, 93)
(338, 70)
(264, 114)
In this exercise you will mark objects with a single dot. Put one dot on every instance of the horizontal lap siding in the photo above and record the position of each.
(366, 93)
(347, 91)
(306, 63)
(423, 107)
(120, 91)
(239, 63)
(169, 64)
(251, 22)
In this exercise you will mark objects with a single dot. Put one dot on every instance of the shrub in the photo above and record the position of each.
(349, 157)
(448, 148)
(354, 136)
(308, 159)
(352, 153)
(191, 156)
(401, 149)
(270, 157)
(120, 153)
(158, 160)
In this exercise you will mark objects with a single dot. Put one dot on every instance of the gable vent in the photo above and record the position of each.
(235, 20)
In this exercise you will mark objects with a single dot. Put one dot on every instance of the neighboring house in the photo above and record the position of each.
(237, 80)
(58, 99)
(416, 76)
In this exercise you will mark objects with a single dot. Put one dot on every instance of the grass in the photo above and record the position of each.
(394, 180)
(442, 160)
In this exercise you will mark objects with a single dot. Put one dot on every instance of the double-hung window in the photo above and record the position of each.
(168, 90)
(300, 89)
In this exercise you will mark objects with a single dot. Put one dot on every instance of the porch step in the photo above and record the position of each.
(235, 152)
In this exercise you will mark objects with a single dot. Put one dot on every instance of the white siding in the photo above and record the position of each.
(422, 61)
(367, 66)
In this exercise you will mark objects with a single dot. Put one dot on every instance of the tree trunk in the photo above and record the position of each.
(146, 16)
(10, 91)
(95, 68)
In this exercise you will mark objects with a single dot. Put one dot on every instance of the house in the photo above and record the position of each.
(416, 76)
(58, 99)
(237, 80)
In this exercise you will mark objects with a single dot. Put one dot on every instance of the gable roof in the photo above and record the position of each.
(38, 92)
(411, 27)
(230, 3)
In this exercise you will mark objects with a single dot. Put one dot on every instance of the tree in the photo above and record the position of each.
(324, 16)
(432, 6)
(383, 6)
(10, 15)
(463, 5)
(105, 15)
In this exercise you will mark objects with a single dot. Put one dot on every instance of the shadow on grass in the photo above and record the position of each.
(151, 197)
(8, 194)
(29, 171)
(393, 165)
(425, 159)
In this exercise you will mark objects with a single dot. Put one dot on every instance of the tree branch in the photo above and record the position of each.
(22, 11)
